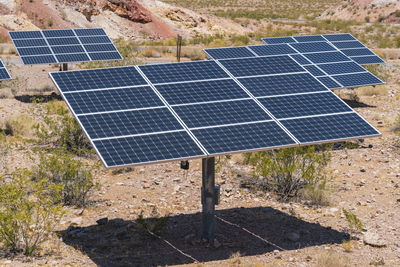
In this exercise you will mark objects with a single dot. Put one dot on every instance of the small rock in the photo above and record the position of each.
(374, 240)
(217, 244)
(102, 221)
(76, 221)
(141, 171)
(294, 237)
(362, 169)
(119, 183)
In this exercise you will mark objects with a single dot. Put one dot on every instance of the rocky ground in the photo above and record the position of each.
(253, 227)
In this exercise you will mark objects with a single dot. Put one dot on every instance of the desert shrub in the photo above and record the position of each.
(193, 53)
(396, 125)
(331, 258)
(27, 212)
(6, 93)
(315, 194)
(62, 131)
(19, 124)
(354, 223)
(151, 52)
(74, 177)
(287, 171)
(372, 90)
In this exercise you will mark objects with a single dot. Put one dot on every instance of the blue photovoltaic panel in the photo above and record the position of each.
(314, 70)
(113, 100)
(72, 57)
(95, 40)
(31, 51)
(58, 33)
(348, 44)
(261, 66)
(339, 37)
(368, 60)
(63, 46)
(282, 84)
(313, 47)
(97, 79)
(211, 114)
(358, 79)
(327, 57)
(90, 32)
(309, 38)
(334, 127)
(278, 40)
(229, 52)
(339, 68)
(272, 50)
(147, 148)
(33, 60)
(357, 52)
(197, 92)
(29, 42)
(301, 59)
(105, 56)
(25, 35)
(304, 105)
(222, 140)
(4, 75)
(329, 82)
(99, 47)
(71, 49)
(186, 71)
(154, 113)
(126, 123)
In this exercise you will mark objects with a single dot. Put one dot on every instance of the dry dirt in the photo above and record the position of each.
(252, 227)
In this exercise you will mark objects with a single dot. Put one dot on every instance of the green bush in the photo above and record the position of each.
(354, 223)
(27, 212)
(74, 177)
(62, 131)
(287, 171)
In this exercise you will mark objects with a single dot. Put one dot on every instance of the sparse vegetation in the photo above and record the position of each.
(155, 224)
(288, 171)
(27, 212)
(74, 177)
(19, 125)
(354, 223)
(332, 259)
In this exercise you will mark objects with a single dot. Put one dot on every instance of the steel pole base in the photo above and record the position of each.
(208, 199)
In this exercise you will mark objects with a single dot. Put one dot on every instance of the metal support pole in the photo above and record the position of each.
(208, 198)
(64, 67)
(178, 48)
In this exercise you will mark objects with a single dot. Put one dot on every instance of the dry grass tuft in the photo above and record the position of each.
(331, 258)
(6, 93)
(347, 245)
(372, 91)
(20, 124)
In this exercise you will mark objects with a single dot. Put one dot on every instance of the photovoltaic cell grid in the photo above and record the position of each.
(64, 46)
(345, 42)
(320, 58)
(4, 75)
(154, 113)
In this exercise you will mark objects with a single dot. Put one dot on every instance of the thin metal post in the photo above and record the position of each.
(178, 48)
(208, 198)
(64, 67)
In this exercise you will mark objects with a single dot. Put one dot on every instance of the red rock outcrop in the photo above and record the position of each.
(129, 9)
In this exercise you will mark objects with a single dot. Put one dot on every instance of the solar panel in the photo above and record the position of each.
(314, 70)
(327, 57)
(301, 59)
(154, 113)
(358, 79)
(345, 43)
(325, 128)
(329, 82)
(272, 50)
(313, 47)
(304, 105)
(279, 40)
(4, 75)
(261, 66)
(282, 84)
(340, 68)
(229, 52)
(64, 46)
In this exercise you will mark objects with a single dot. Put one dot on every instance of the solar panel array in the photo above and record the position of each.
(321, 59)
(4, 75)
(154, 113)
(344, 42)
(64, 46)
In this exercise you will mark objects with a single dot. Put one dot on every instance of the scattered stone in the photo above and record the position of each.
(217, 244)
(120, 183)
(374, 240)
(76, 221)
(141, 171)
(102, 221)
(362, 169)
(294, 237)
(156, 182)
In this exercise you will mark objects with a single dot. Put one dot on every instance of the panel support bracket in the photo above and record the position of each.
(64, 67)
(208, 198)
